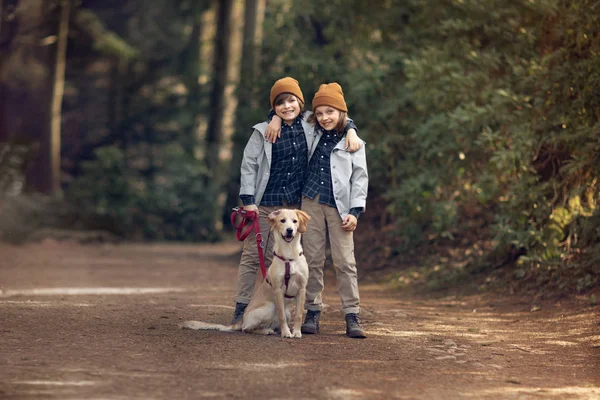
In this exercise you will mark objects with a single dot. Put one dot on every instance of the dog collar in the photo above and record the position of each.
(287, 260)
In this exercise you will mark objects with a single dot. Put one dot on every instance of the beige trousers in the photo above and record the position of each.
(326, 220)
(249, 269)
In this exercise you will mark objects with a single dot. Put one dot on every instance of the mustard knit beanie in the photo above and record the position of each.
(330, 94)
(286, 85)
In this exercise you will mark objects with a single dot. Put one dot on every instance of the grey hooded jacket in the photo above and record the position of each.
(349, 175)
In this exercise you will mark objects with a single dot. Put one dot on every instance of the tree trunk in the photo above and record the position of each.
(1, 14)
(3, 115)
(26, 88)
(191, 72)
(253, 13)
(214, 133)
(58, 92)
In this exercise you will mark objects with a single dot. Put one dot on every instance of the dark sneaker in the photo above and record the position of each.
(238, 313)
(353, 328)
(311, 322)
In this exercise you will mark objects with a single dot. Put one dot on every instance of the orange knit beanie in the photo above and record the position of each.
(330, 94)
(286, 85)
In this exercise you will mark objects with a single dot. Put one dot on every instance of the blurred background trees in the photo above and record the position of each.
(481, 120)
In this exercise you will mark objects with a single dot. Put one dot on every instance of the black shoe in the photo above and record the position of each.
(238, 313)
(311, 322)
(353, 328)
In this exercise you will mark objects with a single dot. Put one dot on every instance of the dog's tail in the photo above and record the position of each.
(200, 325)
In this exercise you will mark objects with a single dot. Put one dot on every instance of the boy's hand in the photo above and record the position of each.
(353, 143)
(273, 129)
(251, 207)
(349, 223)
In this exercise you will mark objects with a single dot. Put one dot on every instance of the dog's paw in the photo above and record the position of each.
(297, 334)
(285, 333)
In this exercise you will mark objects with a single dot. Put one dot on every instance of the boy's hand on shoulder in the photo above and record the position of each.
(273, 129)
(353, 143)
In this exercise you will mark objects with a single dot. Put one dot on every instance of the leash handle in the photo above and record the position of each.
(245, 222)
(245, 214)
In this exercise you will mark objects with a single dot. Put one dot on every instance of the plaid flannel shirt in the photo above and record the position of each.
(318, 180)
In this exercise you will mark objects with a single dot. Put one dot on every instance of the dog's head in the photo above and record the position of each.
(288, 222)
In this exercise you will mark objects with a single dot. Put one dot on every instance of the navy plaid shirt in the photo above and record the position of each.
(288, 167)
(318, 180)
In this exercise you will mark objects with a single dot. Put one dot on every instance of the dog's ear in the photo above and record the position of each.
(303, 218)
(273, 218)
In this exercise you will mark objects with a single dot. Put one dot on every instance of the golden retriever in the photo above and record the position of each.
(269, 307)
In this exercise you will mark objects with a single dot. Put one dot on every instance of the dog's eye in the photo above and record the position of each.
(295, 221)
(282, 220)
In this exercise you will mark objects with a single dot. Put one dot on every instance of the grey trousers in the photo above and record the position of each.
(326, 220)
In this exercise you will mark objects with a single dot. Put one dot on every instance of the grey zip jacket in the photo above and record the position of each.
(349, 174)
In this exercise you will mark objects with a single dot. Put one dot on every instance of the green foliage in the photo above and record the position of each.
(13, 158)
(470, 108)
(104, 41)
(169, 205)
(103, 189)
(134, 167)
(22, 213)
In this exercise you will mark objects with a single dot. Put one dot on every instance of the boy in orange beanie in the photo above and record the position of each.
(334, 195)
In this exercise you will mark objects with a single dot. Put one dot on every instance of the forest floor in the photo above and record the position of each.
(101, 321)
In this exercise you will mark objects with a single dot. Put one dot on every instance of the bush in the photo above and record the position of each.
(168, 204)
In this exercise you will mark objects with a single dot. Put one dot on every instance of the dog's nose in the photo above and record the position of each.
(289, 231)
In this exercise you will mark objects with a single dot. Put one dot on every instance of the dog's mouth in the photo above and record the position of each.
(288, 238)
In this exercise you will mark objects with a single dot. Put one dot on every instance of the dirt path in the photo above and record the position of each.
(101, 322)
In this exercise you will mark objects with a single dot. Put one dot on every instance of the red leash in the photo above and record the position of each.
(249, 220)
